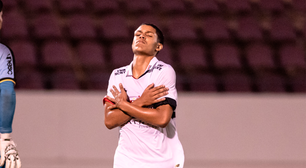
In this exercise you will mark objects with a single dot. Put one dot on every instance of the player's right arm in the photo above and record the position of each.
(115, 117)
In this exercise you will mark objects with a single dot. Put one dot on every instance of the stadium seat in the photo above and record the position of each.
(147, 18)
(114, 27)
(226, 56)
(260, 56)
(64, 80)
(297, 81)
(10, 5)
(37, 7)
(105, 6)
(236, 82)
(271, 5)
(238, 6)
(299, 5)
(14, 26)
(121, 54)
(165, 55)
(249, 29)
(24, 53)
(81, 27)
(57, 54)
(138, 6)
(171, 6)
(181, 28)
(282, 29)
(46, 26)
(71, 6)
(270, 82)
(29, 79)
(192, 56)
(207, 6)
(98, 80)
(292, 57)
(91, 55)
(203, 82)
(215, 28)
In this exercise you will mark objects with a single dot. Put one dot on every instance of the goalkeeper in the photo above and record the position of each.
(8, 156)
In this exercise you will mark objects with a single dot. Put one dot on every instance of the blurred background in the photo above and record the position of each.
(241, 78)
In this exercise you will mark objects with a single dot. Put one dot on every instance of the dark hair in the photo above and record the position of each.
(160, 35)
(1, 5)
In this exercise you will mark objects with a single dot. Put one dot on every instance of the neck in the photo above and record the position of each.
(140, 64)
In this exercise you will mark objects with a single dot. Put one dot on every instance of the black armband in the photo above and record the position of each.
(169, 101)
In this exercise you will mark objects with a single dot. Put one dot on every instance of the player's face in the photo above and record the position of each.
(1, 19)
(145, 41)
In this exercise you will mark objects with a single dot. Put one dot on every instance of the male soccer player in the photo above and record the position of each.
(8, 153)
(148, 136)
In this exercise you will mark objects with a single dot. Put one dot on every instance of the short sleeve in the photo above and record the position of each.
(167, 77)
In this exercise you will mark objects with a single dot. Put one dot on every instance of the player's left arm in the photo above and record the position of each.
(162, 113)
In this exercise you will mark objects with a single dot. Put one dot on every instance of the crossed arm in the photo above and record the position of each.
(119, 111)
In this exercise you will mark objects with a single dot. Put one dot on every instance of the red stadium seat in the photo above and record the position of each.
(29, 79)
(91, 55)
(192, 56)
(207, 6)
(57, 54)
(24, 53)
(14, 26)
(81, 27)
(138, 6)
(215, 28)
(64, 80)
(270, 82)
(105, 6)
(114, 27)
(282, 29)
(292, 57)
(226, 56)
(236, 82)
(165, 55)
(34, 6)
(203, 82)
(260, 56)
(238, 6)
(121, 54)
(249, 29)
(46, 26)
(172, 6)
(181, 28)
(72, 6)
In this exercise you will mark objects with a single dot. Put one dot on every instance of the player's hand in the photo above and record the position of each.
(9, 154)
(119, 96)
(153, 94)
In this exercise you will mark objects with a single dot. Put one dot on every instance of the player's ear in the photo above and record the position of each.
(159, 47)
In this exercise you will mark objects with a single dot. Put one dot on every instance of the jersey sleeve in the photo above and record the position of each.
(7, 71)
(167, 77)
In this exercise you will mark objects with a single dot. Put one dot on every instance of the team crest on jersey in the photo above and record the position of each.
(120, 71)
(158, 66)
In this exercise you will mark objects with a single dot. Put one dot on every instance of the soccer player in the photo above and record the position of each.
(8, 153)
(148, 135)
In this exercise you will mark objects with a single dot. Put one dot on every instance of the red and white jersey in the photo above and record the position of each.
(6, 64)
(140, 144)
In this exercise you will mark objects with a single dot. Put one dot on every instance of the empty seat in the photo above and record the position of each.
(29, 79)
(270, 82)
(260, 56)
(249, 29)
(207, 6)
(204, 82)
(236, 82)
(137, 6)
(192, 56)
(181, 28)
(81, 27)
(282, 29)
(114, 27)
(238, 6)
(292, 56)
(165, 55)
(57, 54)
(271, 5)
(299, 5)
(121, 54)
(297, 81)
(71, 6)
(64, 80)
(14, 26)
(91, 55)
(105, 6)
(98, 80)
(172, 6)
(215, 28)
(34, 6)
(146, 18)
(10, 4)
(24, 53)
(46, 26)
(226, 56)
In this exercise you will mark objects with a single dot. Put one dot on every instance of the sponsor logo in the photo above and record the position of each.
(120, 71)
(9, 64)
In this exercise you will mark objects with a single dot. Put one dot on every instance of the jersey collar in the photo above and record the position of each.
(153, 61)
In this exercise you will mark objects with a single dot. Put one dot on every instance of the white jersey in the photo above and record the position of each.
(140, 144)
(6, 64)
